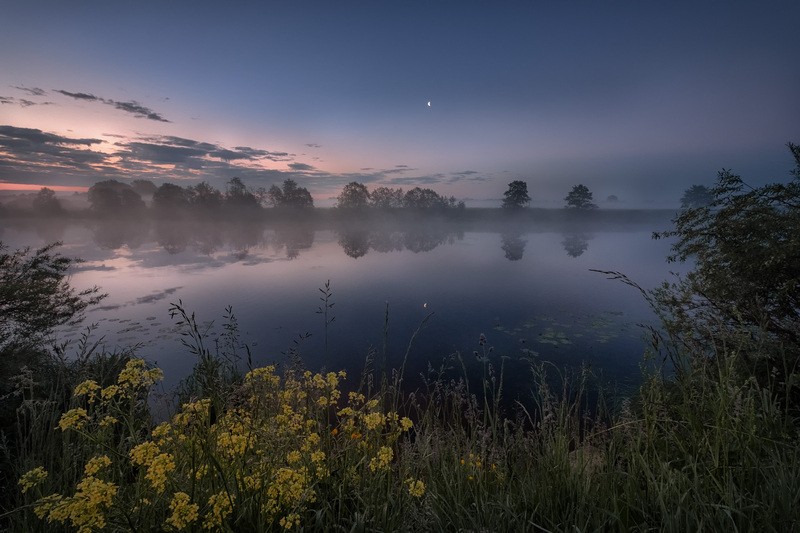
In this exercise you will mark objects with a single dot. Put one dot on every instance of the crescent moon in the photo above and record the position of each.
(429, 103)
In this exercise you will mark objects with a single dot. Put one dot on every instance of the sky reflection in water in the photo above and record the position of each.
(531, 293)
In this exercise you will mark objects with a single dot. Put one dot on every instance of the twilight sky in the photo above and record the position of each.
(636, 99)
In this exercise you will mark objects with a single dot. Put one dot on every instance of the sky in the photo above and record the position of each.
(634, 99)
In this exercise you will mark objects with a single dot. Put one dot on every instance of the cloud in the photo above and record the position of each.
(12, 134)
(138, 110)
(33, 91)
(313, 145)
(21, 101)
(79, 96)
(133, 107)
(465, 175)
(300, 166)
(432, 179)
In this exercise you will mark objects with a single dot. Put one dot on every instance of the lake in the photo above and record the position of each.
(526, 286)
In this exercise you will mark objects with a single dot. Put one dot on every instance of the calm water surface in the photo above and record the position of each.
(530, 291)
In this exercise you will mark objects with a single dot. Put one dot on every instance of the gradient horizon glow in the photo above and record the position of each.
(633, 99)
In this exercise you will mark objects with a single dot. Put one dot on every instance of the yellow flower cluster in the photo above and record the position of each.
(382, 460)
(73, 419)
(85, 510)
(135, 375)
(221, 505)
(416, 487)
(31, 478)
(183, 512)
(96, 464)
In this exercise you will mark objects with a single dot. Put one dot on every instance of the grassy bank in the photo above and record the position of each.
(291, 450)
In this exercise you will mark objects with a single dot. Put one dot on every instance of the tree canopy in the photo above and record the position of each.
(290, 195)
(354, 196)
(580, 197)
(170, 198)
(516, 196)
(113, 197)
(35, 296)
(386, 198)
(46, 203)
(746, 248)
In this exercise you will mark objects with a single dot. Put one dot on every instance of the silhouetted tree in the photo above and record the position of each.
(143, 187)
(35, 296)
(354, 195)
(45, 203)
(418, 198)
(696, 196)
(580, 197)
(386, 198)
(743, 290)
(239, 197)
(110, 197)
(290, 195)
(205, 198)
(170, 199)
(516, 196)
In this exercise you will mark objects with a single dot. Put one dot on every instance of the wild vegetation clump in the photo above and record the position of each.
(708, 442)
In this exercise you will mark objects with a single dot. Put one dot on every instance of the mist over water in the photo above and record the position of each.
(527, 286)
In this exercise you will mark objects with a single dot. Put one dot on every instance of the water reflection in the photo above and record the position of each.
(357, 241)
(513, 245)
(576, 243)
(112, 234)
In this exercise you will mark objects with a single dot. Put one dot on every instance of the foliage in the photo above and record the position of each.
(144, 187)
(746, 280)
(239, 197)
(290, 195)
(35, 296)
(580, 197)
(354, 195)
(169, 198)
(299, 451)
(46, 203)
(204, 197)
(387, 198)
(696, 196)
(111, 197)
(516, 196)
(419, 198)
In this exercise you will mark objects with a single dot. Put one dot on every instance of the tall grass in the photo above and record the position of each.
(294, 450)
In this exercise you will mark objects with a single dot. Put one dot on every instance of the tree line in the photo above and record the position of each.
(112, 197)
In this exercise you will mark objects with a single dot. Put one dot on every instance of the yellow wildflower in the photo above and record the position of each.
(96, 464)
(31, 478)
(74, 418)
(88, 387)
(107, 420)
(144, 453)
(293, 457)
(221, 506)
(157, 472)
(109, 392)
(183, 512)
(382, 459)
(374, 420)
(86, 508)
(416, 488)
(406, 423)
(290, 521)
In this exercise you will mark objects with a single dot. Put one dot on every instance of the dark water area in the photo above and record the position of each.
(525, 284)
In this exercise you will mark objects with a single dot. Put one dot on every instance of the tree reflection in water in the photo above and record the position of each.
(575, 243)
(513, 245)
